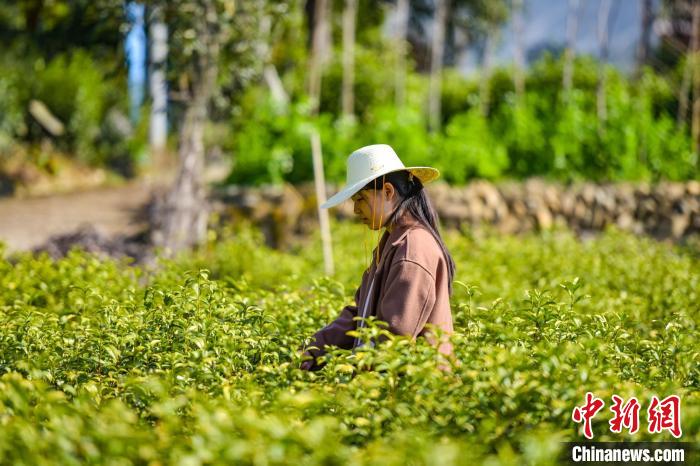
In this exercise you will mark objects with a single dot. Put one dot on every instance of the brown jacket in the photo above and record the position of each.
(409, 289)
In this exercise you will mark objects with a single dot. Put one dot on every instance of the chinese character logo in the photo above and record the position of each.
(665, 415)
(662, 414)
(587, 412)
(626, 415)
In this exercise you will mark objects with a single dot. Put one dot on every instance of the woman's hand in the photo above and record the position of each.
(308, 363)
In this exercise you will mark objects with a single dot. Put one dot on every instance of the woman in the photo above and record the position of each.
(409, 282)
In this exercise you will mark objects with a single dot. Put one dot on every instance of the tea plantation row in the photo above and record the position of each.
(104, 363)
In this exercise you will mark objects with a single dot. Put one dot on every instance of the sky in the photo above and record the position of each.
(544, 24)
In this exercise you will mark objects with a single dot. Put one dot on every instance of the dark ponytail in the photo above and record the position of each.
(414, 200)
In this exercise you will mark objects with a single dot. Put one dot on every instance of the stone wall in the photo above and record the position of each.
(664, 210)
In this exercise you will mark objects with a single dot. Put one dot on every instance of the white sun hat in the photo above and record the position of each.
(370, 162)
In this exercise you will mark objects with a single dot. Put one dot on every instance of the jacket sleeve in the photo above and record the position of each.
(408, 298)
(335, 332)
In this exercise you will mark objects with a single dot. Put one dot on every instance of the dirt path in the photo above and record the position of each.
(27, 223)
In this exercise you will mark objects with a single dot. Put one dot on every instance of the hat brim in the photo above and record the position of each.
(424, 174)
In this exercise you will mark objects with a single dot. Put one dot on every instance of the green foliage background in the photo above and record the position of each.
(73, 52)
(109, 364)
(546, 133)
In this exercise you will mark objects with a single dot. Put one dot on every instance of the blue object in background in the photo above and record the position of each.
(135, 48)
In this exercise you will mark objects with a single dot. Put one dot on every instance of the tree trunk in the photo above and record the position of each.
(184, 221)
(696, 76)
(484, 85)
(570, 52)
(438, 49)
(688, 73)
(349, 20)
(317, 52)
(402, 13)
(518, 55)
(185, 215)
(603, 23)
(645, 36)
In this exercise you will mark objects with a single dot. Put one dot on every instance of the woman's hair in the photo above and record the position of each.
(414, 200)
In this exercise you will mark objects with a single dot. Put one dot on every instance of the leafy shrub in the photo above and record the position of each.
(521, 130)
(574, 137)
(458, 95)
(405, 130)
(80, 92)
(74, 88)
(104, 363)
(470, 150)
(371, 77)
(546, 133)
(12, 123)
(274, 145)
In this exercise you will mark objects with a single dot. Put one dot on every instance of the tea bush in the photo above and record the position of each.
(105, 363)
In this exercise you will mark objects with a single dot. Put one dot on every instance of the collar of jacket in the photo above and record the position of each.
(401, 227)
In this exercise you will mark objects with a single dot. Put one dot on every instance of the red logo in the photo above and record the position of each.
(665, 415)
(626, 415)
(662, 414)
(587, 412)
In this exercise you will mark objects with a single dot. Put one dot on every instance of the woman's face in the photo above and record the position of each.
(373, 207)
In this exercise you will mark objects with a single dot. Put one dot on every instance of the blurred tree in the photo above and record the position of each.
(603, 29)
(346, 71)
(213, 43)
(475, 19)
(484, 88)
(436, 60)
(320, 51)
(694, 59)
(644, 45)
(402, 17)
(518, 54)
(73, 52)
(465, 19)
(485, 27)
(349, 21)
(680, 43)
(606, 19)
(570, 52)
(57, 26)
(673, 24)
